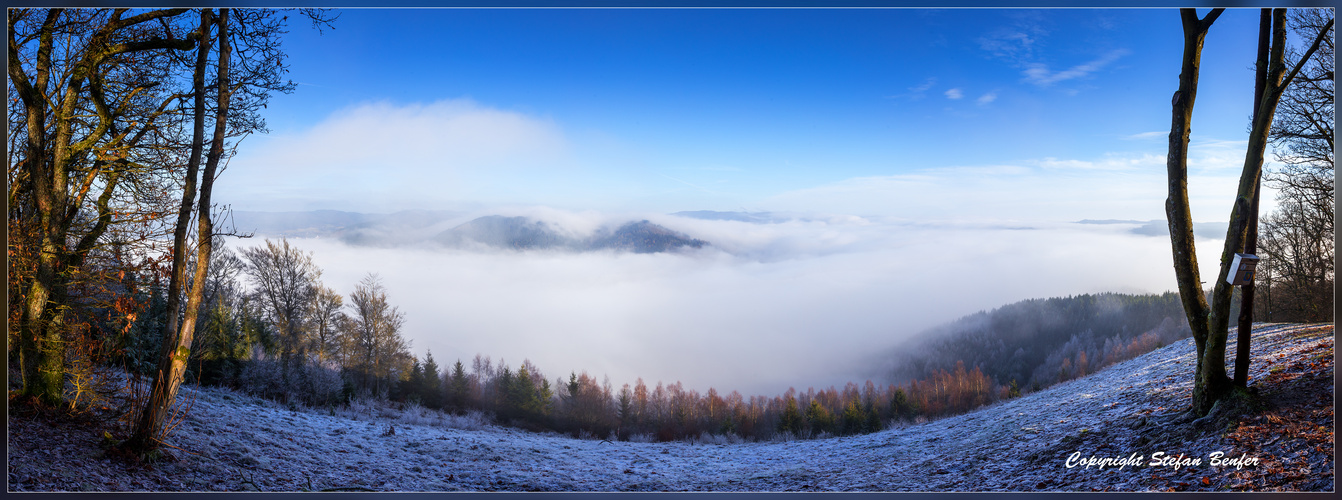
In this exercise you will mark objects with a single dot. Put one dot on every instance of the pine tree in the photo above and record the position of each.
(791, 421)
(819, 418)
(409, 389)
(431, 383)
(900, 405)
(873, 423)
(503, 389)
(458, 390)
(854, 419)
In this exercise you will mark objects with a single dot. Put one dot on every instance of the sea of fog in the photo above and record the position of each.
(801, 302)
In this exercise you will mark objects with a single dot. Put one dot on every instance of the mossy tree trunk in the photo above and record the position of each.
(177, 339)
(71, 166)
(1209, 323)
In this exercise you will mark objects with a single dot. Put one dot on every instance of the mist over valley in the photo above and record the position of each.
(756, 302)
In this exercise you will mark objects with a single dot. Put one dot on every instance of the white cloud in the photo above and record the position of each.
(1111, 186)
(383, 153)
(987, 98)
(1038, 73)
(925, 86)
(954, 94)
(1108, 162)
(1146, 135)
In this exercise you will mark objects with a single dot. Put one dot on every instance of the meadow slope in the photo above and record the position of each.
(230, 441)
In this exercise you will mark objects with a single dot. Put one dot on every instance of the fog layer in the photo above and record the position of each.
(765, 306)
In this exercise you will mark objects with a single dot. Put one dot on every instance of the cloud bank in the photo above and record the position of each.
(796, 303)
(389, 152)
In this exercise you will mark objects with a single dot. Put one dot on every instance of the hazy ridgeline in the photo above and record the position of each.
(1039, 342)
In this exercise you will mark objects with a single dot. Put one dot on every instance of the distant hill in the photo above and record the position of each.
(1031, 341)
(518, 233)
(522, 233)
(1161, 228)
(445, 228)
(644, 237)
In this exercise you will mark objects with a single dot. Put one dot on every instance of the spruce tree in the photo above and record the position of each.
(431, 384)
(458, 390)
(791, 421)
(854, 419)
(819, 418)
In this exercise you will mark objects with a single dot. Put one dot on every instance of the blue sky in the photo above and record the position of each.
(934, 163)
(836, 111)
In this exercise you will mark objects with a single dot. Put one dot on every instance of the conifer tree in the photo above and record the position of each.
(791, 421)
(854, 419)
(819, 418)
(458, 390)
(409, 389)
(873, 423)
(431, 383)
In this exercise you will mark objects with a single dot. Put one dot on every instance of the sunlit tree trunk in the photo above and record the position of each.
(1177, 211)
(1210, 323)
(178, 338)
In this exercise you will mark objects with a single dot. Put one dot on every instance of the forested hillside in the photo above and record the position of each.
(1039, 342)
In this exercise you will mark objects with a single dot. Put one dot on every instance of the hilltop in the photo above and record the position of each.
(230, 441)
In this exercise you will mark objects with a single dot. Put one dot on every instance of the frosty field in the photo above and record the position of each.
(230, 442)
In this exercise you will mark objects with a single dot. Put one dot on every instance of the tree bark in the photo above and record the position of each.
(1177, 211)
(1243, 229)
(178, 338)
(1210, 323)
(1242, 344)
(52, 154)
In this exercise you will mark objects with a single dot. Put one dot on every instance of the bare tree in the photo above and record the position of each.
(1297, 240)
(375, 327)
(326, 317)
(1209, 322)
(97, 90)
(286, 280)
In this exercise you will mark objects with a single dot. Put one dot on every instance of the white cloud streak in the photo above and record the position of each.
(954, 94)
(1038, 73)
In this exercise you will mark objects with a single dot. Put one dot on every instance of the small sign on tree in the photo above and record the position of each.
(1242, 269)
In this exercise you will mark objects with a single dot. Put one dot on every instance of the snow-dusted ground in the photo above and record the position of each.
(232, 441)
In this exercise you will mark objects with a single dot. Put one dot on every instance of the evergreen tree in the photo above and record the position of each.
(626, 406)
(900, 405)
(409, 389)
(854, 419)
(431, 384)
(458, 389)
(503, 388)
(873, 413)
(790, 421)
(819, 418)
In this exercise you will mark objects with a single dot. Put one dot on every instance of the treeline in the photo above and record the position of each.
(583, 407)
(1039, 342)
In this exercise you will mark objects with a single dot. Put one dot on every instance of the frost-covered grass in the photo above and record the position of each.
(233, 441)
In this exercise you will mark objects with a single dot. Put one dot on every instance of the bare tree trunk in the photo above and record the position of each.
(178, 338)
(1251, 244)
(1210, 324)
(1177, 211)
(1273, 82)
